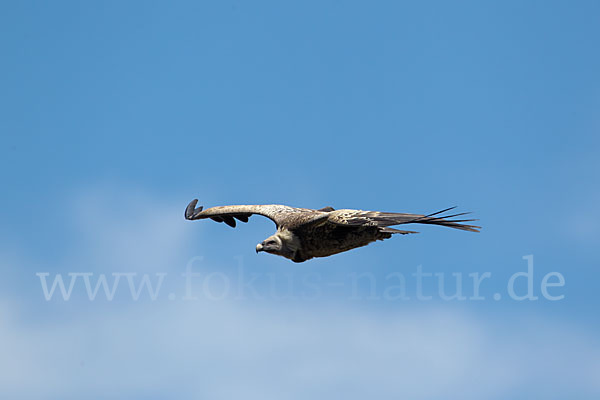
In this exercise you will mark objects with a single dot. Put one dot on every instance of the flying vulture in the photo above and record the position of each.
(304, 233)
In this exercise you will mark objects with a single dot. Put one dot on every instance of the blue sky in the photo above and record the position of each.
(114, 115)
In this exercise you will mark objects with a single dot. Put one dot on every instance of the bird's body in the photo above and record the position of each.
(327, 239)
(304, 233)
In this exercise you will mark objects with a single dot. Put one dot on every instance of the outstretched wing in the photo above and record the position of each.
(281, 215)
(385, 219)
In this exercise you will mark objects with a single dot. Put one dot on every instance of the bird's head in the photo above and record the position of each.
(272, 244)
(277, 244)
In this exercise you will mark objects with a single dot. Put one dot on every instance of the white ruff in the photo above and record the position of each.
(290, 240)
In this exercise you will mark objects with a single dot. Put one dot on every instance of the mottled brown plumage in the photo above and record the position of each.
(304, 233)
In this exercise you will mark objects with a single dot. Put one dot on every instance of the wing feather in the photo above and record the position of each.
(297, 218)
(384, 219)
(280, 214)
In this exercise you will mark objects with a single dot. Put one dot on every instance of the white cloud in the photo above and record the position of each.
(127, 230)
(221, 350)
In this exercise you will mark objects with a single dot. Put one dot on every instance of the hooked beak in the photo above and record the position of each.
(259, 247)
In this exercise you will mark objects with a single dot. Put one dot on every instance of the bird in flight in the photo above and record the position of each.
(304, 233)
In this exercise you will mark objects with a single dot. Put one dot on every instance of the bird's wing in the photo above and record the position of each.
(281, 215)
(385, 219)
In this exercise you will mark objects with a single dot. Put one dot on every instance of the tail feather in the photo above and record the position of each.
(387, 229)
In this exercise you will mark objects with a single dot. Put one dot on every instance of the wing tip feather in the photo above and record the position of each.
(191, 211)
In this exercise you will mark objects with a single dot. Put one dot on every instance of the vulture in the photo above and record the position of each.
(304, 233)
